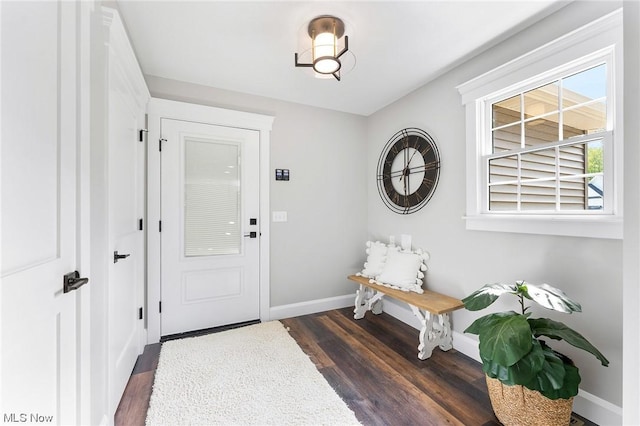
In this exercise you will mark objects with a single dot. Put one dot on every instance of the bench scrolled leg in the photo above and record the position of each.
(435, 331)
(446, 339)
(360, 306)
(376, 306)
(367, 301)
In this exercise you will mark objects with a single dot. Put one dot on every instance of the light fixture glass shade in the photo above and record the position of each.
(324, 53)
(325, 31)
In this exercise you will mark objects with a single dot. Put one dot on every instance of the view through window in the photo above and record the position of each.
(547, 146)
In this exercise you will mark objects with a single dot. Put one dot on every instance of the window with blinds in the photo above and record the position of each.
(212, 198)
(547, 146)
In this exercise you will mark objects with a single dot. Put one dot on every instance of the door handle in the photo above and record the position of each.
(117, 256)
(252, 234)
(72, 281)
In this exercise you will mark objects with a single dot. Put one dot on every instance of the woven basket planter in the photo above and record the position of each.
(519, 406)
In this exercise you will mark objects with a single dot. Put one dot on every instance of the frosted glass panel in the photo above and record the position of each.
(211, 198)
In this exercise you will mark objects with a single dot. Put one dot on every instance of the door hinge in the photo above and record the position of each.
(160, 144)
(141, 134)
(140, 224)
(140, 313)
(160, 306)
(159, 226)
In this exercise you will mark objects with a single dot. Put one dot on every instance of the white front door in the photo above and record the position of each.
(210, 226)
(40, 323)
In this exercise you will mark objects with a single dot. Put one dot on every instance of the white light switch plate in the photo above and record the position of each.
(279, 216)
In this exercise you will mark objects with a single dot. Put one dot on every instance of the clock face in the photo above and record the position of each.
(408, 170)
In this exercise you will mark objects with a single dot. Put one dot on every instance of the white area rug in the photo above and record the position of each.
(254, 375)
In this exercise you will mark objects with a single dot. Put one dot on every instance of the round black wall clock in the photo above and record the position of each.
(408, 170)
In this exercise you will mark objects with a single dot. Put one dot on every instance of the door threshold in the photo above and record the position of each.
(205, 331)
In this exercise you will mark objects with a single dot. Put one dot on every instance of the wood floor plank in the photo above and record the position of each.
(365, 409)
(373, 366)
(434, 396)
(301, 332)
(132, 410)
(404, 339)
(148, 361)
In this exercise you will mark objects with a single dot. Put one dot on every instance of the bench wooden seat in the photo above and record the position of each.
(431, 308)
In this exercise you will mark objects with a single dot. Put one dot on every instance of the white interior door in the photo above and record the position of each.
(127, 98)
(126, 270)
(40, 113)
(210, 229)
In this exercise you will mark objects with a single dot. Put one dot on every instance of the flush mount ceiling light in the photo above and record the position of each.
(325, 31)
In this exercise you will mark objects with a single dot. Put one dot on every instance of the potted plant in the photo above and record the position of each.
(523, 372)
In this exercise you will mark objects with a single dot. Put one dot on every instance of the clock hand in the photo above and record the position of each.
(414, 153)
(422, 168)
(393, 174)
(406, 182)
(403, 173)
(407, 169)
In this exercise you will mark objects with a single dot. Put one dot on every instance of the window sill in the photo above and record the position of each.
(571, 226)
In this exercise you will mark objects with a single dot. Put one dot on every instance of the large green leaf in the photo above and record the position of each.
(559, 331)
(548, 297)
(520, 373)
(480, 324)
(487, 321)
(528, 367)
(558, 378)
(485, 296)
(497, 371)
(504, 337)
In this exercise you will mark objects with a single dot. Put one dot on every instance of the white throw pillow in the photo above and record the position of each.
(377, 255)
(403, 270)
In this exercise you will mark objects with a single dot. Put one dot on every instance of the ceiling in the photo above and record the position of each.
(248, 46)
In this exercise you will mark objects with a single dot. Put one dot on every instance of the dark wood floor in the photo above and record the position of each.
(372, 364)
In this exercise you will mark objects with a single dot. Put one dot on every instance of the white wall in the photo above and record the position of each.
(631, 293)
(99, 221)
(325, 151)
(588, 270)
(332, 157)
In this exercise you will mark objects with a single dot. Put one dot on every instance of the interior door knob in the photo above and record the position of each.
(117, 256)
(72, 281)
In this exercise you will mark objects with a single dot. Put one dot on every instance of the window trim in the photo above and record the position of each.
(597, 42)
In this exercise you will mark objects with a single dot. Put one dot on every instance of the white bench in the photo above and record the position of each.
(431, 308)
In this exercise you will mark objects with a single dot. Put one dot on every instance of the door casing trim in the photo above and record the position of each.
(162, 108)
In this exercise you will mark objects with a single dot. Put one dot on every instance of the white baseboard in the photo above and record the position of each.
(597, 409)
(401, 311)
(310, 307)
(585, 404)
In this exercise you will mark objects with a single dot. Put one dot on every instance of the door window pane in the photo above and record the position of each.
(211, 198)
